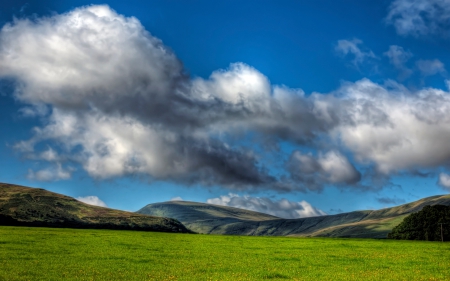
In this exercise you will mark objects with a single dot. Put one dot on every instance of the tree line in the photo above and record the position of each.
(432, 223)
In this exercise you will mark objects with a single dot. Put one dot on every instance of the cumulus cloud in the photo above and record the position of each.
(282, 208)
(420, 17)
(55, 173)
(177, 198)
(444, 181)
(351, 47)
(117, 102)
(122, 100)
(92, 200)
(329, 168)
(430, 67)
(392, 127)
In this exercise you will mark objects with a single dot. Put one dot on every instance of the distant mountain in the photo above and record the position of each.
(214, 219)
(206, 218)
(24, 206)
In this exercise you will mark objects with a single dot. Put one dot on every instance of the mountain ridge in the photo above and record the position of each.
(21, 205)
(362, 224)
(25, 206)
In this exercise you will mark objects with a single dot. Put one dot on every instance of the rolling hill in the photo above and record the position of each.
(37, 207)
(24, 206)
(213, 219)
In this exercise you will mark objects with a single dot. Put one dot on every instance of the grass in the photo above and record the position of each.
(80, 254)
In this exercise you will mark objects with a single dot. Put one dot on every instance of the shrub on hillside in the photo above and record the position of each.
(424, 225)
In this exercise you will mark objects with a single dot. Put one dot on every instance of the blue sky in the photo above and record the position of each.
(288, 107)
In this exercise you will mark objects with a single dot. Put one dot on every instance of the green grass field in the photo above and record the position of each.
(78, 254)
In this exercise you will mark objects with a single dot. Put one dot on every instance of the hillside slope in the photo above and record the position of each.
(204, 218)
(213, 219)
(25, 206)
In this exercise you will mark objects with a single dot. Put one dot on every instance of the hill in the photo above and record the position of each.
(24, 206)
(213, 219)
(205, 218)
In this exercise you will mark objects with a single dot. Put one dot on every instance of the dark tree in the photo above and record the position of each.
(424, 225)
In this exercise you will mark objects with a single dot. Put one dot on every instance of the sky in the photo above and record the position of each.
(292, 108)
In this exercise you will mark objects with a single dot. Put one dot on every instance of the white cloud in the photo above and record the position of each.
(121, 99)
(281, 208)
(398, 57)
(49, 155)
(82, 52)
(121, 103)
(116, 101)
(240, 84)
(331, 167)
(177, 198)
(50, 174)
(346, 47)
(392, 127)
(430, 67)
(444, 181)
(420, 17)
(92, 200)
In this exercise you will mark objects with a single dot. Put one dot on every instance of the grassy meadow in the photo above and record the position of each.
(81, 254)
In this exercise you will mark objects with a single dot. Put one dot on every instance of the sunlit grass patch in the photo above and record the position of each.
(77, 254)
